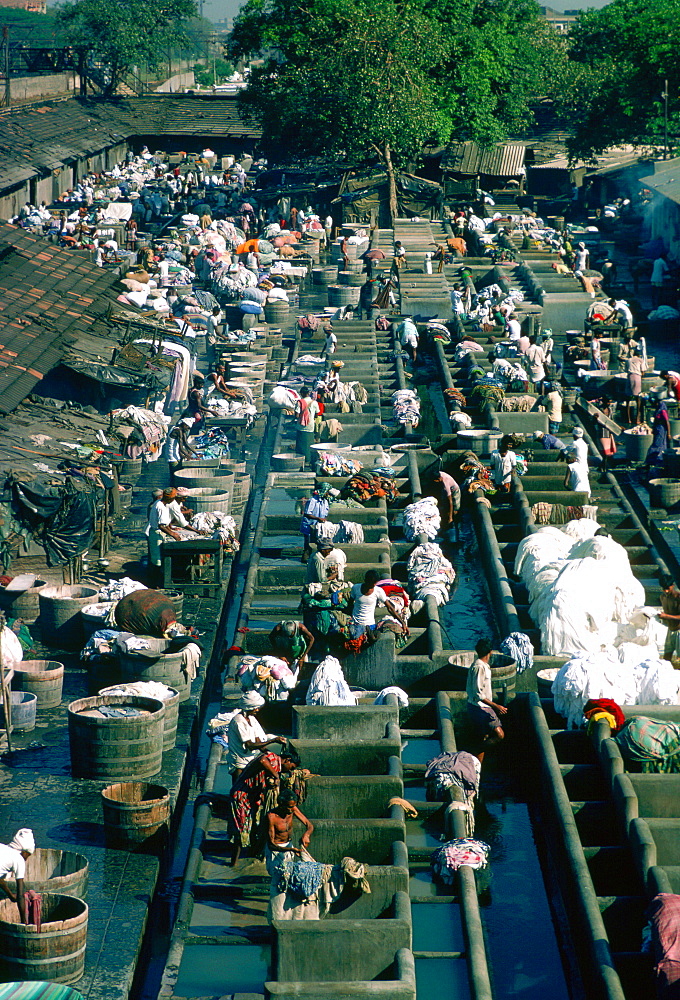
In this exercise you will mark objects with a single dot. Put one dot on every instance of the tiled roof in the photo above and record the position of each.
(37, 139)
(50, 298)
(469, 159)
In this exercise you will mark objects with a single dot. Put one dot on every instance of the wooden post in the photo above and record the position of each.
(6, 700)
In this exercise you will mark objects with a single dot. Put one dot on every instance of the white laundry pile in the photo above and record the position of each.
(346, 532)
(116, 590)
(220, 525)
(284, 397)
(333, 463)
(147, 689)
(464, 348)
(602, 675)
(328, 685)
(430, 574)
(581, 589)
(406, 407)
(422, 518)
(218, 727)
(398, 692)
(508, 372)
(518, 646)
(460, 421)
(270, 676)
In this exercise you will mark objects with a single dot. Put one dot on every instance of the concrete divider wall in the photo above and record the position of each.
(338, 797)
(343, 722)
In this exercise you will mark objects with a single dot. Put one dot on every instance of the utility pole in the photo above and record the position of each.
(665, 119)
(7, 102)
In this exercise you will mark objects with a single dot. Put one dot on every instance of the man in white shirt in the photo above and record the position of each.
(483, 711)
(408, 336)
(660, 272)
(327, 564)
(579, 446)
(330, 344)
(366, 597)
(536, 359)
(13, 857)
(246, 737)
(513, 328)
(503, 462)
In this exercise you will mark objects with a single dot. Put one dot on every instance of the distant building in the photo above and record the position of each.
(34, 6)
(561, 20)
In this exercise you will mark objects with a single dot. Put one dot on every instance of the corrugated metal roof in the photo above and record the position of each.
(49, 296)
(470, 159)
(35, 140)
(665, 182)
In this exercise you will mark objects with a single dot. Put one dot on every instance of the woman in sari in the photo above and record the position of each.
(255, 793)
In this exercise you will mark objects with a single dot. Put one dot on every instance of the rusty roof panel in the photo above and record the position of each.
(471, 160)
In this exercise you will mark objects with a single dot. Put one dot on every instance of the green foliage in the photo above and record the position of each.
(121, 34)
(211, 73)
(620, 57)
(376, 75)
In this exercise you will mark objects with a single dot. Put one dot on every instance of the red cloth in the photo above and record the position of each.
(33, 901)
(604, 705)
(664, 915)
(145, 612)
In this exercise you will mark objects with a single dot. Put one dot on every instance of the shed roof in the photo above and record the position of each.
(51, 297)
(470, 159)
(666, 181)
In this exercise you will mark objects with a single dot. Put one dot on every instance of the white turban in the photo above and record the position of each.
(23, 841)
(251, 700)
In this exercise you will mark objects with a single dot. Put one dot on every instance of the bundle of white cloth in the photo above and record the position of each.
(406, 407)
(422, 518)
(602, 675)
(581, 590)
(328, 685)
(430, 574)
(346, 532)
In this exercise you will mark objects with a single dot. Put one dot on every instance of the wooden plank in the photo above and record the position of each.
(592, 410)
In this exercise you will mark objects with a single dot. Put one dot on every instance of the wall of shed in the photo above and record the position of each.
(11, 201)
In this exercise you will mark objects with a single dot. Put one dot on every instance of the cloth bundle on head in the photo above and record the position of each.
(251, 700)
(23, 841)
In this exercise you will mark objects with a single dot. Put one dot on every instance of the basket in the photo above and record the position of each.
(664, 492)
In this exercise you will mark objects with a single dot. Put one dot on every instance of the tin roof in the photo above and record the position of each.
(36, 139)
(50, 297)
(470, 159)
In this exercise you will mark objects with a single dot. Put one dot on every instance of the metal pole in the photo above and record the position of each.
(5, 43)
(665, 120)
(6, 697)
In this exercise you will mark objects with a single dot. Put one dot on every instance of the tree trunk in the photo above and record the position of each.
(391, 182)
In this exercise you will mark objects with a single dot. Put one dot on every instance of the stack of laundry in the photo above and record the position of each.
(430, 574)
(218, 525)
(422, 518)
(328, 685)
(406, 407)
(364, 488)
(270, 676)
(116, 590)
(346, 532)
(335, 463)
(447, 859)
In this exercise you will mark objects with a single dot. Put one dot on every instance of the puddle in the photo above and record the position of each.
(207, 969)
(418, 752)
(420, 838)
(518, 910)
(437, 927)
(433, 973)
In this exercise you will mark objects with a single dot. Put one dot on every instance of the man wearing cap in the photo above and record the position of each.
(13, 864)
(327, 564)
(549, 441)
(178, 447)
(314, 513)
(162, 517)
(246, 737)
(579, 446)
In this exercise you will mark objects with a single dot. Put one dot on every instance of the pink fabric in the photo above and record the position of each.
(664, 914)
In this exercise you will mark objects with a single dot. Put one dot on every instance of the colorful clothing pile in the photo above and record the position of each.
(557, 513)
(334, 463)
(652, 744)
(364, 488)
(447, 859)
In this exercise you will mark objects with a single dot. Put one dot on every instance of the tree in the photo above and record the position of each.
(122, 35)
(345, 75)
(213, 72)
(620, 57)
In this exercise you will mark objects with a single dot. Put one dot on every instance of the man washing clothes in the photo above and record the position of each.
(484, 713)
(13, 857)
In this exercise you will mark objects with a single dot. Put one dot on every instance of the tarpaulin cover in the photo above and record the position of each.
(61, 518)
(145, 612)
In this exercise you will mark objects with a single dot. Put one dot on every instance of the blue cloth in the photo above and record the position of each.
(317, 508)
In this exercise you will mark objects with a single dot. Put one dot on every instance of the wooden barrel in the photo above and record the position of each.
(134, 811)
(130, 469)
(664, 492)
(343, 295)
(354, 278)
(163, 667)
(637, 446)
(503, 678)
(480, 441)
(171, 702)
(61, 872)
(242, 489)
(277, 312)
(93, 622)
(43, 678)
(201, 500)
(22, 603)
(57, 953)
(24, 705)
(60, 618)
(212, 479)
(319, 276)
(176, 599)
(116, 748)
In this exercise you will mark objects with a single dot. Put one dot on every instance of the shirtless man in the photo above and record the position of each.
(280, 825)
